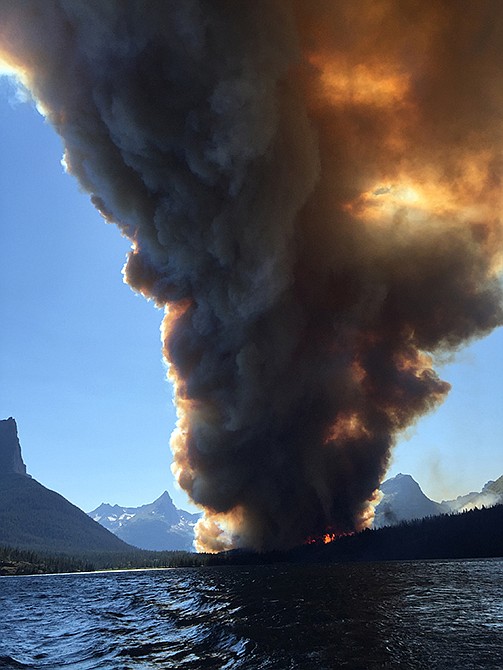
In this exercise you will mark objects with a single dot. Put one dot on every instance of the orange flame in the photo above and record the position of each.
(327, 537)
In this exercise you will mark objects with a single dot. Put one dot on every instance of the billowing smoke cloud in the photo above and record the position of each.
(313, 192)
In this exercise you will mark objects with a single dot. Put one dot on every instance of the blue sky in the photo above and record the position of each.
(80, 355)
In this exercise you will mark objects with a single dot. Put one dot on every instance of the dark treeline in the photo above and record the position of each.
(15, 561)
(474, 534)
(477, 533)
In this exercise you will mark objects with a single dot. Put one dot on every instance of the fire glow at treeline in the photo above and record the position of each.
(313, 192)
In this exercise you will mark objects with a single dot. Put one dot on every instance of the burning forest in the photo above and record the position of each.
(312, 192)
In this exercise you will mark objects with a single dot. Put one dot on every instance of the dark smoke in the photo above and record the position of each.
(313, 192)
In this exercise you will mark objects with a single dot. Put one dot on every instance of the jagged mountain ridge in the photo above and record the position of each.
(157, 526)
(403, 500)
(36, 518)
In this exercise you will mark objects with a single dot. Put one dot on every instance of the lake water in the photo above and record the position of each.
(430, 614)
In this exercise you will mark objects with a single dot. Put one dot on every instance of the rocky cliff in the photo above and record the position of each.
(33, 517)
(11, 461)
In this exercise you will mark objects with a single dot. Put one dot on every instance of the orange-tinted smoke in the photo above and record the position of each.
(314, 194)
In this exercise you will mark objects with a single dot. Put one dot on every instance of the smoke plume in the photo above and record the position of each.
(312, 191)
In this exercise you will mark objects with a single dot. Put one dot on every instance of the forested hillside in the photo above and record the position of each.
(474, 534)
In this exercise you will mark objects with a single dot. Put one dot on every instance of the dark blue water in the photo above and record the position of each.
(445, 615)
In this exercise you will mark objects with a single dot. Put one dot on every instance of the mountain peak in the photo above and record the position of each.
(403, 500)
(165, 498)
(400, 482)
(164, 505)
(158, 525)
(33, 517)
(11, 461)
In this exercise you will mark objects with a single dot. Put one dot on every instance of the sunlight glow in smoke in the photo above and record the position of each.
(313, 193)
(7, 70)
(361, 84)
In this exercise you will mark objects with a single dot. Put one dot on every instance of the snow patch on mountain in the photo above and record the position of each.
(157, 526)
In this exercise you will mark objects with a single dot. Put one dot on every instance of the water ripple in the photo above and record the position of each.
(430, 615)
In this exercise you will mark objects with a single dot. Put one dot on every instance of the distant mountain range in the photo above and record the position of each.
(157, 526)
(160, 525)
(403, 500)
(33, 517)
